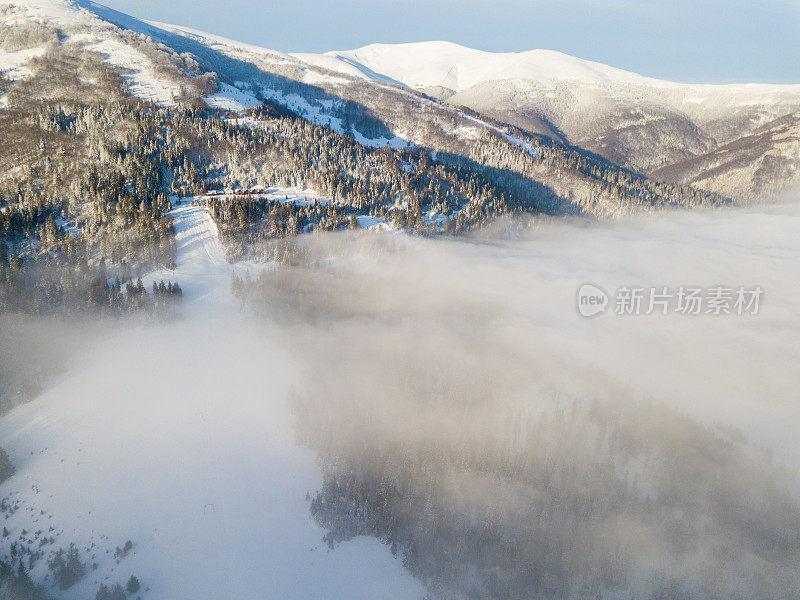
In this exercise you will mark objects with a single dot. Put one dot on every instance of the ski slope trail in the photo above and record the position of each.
(177, 437)
(201, 266)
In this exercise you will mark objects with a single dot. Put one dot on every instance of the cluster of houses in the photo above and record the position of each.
(256, 191)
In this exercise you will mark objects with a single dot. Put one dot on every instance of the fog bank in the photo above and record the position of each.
(449, 401)
(504, 446)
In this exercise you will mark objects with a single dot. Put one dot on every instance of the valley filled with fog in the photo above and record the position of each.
(387, 415)
(410, 321)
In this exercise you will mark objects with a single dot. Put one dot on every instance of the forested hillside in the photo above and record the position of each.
(95, 155)
(103, 161)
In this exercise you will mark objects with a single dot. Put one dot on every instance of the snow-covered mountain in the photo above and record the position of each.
(639, 122)
(170, 65)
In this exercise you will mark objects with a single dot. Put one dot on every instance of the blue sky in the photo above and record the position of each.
(714, 41)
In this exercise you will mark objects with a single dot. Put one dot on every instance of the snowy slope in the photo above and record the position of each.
(86, 29)
(139, 73)
(12, 62)
(210, 487)
(64, 12)
(217, 42)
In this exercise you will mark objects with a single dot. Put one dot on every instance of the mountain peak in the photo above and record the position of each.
(456, 67)
(453, 66)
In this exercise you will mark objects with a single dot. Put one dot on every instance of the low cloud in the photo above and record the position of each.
(466, 414)
(462, 411)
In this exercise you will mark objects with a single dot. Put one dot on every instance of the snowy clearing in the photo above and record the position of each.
(12, 64)
(231, 98)
(138, 72)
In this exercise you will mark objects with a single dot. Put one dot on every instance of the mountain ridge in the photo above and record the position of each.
(559, 64)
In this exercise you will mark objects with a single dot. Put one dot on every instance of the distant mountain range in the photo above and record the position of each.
(739, 140)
